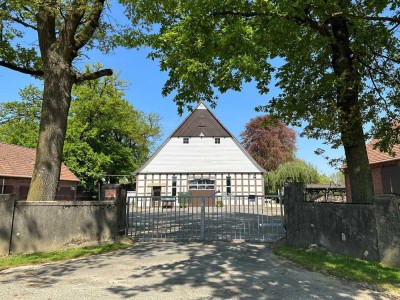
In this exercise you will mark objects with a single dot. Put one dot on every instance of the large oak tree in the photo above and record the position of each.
(339, 71)
(62, 29)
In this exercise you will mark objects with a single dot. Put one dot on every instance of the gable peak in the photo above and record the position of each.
(201, 106)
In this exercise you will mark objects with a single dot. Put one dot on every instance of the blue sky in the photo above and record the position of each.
(234, 109)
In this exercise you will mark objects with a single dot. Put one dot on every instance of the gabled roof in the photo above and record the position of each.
(202, 123)
(375, 156)
(17, 161)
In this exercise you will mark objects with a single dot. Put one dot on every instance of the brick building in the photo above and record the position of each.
(16, 169)
(385, 170)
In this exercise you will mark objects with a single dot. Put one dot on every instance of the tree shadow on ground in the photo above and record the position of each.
(228, 270)
(188, 271)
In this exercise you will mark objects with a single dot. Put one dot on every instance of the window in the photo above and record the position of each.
(228, 185)
(186, 140)
(201, 184)
(173, 185)
(217, 140)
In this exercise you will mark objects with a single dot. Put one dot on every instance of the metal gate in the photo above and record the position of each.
(186, 218)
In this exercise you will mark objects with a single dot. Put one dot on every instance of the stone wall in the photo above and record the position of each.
(369, 231)
(54, 225)
(387, 215)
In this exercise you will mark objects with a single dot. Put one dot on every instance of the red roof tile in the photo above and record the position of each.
(376, 156)
(17, 161)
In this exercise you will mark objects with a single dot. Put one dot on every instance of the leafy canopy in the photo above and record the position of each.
(293, 171)
(209, 46)
(105, 135)
(19, 120)
(269, 143)
(73, 26)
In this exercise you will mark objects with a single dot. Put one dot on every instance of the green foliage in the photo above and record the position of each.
(20, 28)
(44, 38)
(293, 171)
(20, 119)
(105, 135)
(323, 179)
(344, 267)
(214, 46)
(337, 178)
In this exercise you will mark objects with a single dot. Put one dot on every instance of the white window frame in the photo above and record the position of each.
(201, 184)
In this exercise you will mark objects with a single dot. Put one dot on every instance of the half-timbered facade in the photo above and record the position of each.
(202, 158)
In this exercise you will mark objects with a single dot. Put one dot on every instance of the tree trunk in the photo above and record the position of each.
(58, 82)
(350, 118)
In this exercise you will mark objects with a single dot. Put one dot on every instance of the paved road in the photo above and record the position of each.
(177, 271)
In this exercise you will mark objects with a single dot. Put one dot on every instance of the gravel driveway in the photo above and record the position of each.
(170, 270)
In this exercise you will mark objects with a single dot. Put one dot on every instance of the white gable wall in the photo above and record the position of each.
(201, 155)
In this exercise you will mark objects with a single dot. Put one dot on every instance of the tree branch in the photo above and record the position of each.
(397, 61)
(369, 18)
(28, 71)
(92, 76)
(90, 26)
(240, 14)
(23, 23)
(319, 26)
(72, 20)
(46, 23)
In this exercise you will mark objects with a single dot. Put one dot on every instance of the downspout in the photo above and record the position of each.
(2, 187)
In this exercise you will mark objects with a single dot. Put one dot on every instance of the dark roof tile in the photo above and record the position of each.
(201, 122)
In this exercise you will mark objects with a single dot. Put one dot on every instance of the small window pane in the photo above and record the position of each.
(228, 184)
(217, 140)
(201, 184)
(186, 140)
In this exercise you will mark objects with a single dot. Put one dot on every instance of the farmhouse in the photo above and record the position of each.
(16, 169)
(201, 158)
(385, 170)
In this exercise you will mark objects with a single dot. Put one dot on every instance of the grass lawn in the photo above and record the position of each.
(44, 257)
(358, 270)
